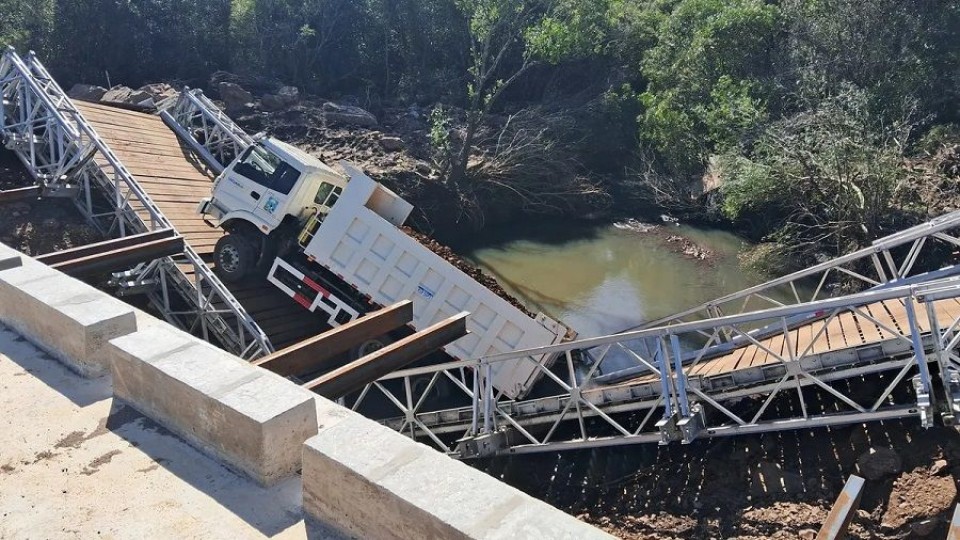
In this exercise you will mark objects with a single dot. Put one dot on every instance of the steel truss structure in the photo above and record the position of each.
(672, 397)
(67, 157)
(200, 122)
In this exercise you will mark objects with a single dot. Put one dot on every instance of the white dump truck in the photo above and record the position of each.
(333, 243)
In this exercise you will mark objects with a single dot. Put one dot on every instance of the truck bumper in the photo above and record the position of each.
(309, 294)
(208, 207)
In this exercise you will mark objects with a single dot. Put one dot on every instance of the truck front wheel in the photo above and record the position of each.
(235, 257)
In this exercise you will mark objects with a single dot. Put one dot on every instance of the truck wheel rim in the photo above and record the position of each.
(230, 258)
(369, 347)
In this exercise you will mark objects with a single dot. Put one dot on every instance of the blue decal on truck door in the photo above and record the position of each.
(271, 205)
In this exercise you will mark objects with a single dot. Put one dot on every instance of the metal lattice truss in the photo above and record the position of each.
(799, 363)
(808, 379)
(197, 118)
(67, 157)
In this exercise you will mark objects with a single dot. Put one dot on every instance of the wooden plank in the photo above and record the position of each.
(122, 146)
(823, 337)
(359, 373)
(848, 330)
(310, 356)
(723, 364)
(103, 108)
(867, 330)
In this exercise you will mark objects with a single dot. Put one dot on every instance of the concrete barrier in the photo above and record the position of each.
(69, 319)
(254, 421)
(372, 482)
(9, 258)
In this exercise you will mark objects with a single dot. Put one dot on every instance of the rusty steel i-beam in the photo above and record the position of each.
(838, 520)
(357, 374)
(310, 355)
(116, 254)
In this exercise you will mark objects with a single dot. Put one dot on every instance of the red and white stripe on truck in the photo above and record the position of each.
(310, 294)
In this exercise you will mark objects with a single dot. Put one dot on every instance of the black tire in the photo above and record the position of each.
(235, 257)
(370, 346)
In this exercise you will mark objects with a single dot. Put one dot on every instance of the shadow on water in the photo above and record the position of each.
(546, 231)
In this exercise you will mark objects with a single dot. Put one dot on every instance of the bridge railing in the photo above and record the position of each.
(67, 157)
(798, 377)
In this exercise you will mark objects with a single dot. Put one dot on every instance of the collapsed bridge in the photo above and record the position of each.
(764, 359)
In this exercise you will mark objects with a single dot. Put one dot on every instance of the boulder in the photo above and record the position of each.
(124, 94)
(349, 115)
(87, 92)
(808, 534)
(159, 91)
(939, 467)
(234, 97)
(289, 95)
(391, 144)
(876, 463)
(272, 103)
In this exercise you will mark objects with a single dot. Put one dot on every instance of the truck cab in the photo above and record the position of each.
(262, 200)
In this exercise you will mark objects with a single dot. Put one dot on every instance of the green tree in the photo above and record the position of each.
(26, 24)
(822, 180)
(709, 77)
(510, 38)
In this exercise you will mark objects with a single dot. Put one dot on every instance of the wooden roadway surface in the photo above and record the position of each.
(846, 330)
(176, 180)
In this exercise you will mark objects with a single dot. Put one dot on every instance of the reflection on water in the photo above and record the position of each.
(604, 279)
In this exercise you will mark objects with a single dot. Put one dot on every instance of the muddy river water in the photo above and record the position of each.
(605, 278)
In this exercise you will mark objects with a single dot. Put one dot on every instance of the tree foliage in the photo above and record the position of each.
(823, 179)
(805, 99)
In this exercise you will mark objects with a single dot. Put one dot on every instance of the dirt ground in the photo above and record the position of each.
(777, 485)
(36, 227)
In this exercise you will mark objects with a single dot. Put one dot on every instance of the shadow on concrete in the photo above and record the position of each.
(52, 372)
(269, 510)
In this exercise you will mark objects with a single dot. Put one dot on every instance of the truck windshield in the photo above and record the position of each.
(267, 169)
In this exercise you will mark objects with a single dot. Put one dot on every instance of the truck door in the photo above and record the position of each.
(261, 184)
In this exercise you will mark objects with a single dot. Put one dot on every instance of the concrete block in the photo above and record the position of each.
(67, 318)
(250, 419)
(373, 482)
(9, 258)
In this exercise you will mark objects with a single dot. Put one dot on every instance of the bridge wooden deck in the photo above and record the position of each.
(176, 180)
(848, 330)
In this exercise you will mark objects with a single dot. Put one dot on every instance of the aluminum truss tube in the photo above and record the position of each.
(36, 85)
(193, 110)
(678, 385)
(945, 288)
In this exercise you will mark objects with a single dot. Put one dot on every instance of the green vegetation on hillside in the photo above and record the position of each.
(808, 109)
